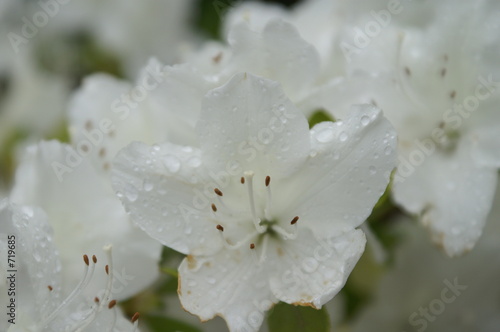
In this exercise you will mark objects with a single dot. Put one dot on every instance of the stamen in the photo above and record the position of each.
(111, 304)
(88, 274)
(218, 192)
(252, 245)
(50, 288)
(214, 208)
(242, 180)
(94, 259)
(106, 268)
(220, 228)
(96, 299)
(294, 220)
(249, 177)
(267, 210)
(135, 320)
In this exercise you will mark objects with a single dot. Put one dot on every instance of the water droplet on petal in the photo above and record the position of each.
(343, 137)
(365, 120)
(188, 230)
(172, 163)
(211, 281)
(194, 162)
(36, 256)
(131, 193)
(325, 135)
(147, 185)
(372, 169)
(388, 150)
(156, 147)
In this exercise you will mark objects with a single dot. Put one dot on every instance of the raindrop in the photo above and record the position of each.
(172, 163)
(156, 147)
(388, 150)
(147, 185)
(343, 136)
(211, 281)
(131, 193)
(365, 120)
(372, 169)
(36, 256)
(325, 135)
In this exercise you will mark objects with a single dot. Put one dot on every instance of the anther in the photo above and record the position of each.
(294, 221)
(107, 269)
(252, 245)
(242, 180)
(214, 208)
(96, 299)
(86, 260)
(111, 304)
(220, 228)
(94, 259)
(268, 180)
(135, 317)
(218, 192)
(50, 288)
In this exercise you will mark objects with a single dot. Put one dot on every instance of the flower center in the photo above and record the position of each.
(263, 228)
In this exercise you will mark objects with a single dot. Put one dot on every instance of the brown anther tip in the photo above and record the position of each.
(86, 259)
(214, 208)
(111, 304)
(407, 71)
(268, 180)
(242, 180)
(294, 220)
(252, 245)
(96, 299)
(50, 288)
(220, 228)
(218, 192)
(94, 259)
(135, 317)
(443, 72)
(107, 269)
(453, 94)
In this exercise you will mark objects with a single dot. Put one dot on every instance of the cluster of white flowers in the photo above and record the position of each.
(212, 155)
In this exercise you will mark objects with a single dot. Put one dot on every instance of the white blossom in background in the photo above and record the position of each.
(132, 31)
(430, 303)
(85, 214)
(438, 85)
(41, 303)
(265, 209)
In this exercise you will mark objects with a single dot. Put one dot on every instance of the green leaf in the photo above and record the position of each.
(320, 116)
(289, 318)
(164, 324)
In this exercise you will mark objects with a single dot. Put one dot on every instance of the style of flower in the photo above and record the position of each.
(265, 208)
(40, 303)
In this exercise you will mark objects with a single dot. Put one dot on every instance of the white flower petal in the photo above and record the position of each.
(453, 194)
(347, 172)
(278, 53)
(85, 215)
(35, 260)
(229, 284)
(251, 123)
(163, 189)
(311, 270)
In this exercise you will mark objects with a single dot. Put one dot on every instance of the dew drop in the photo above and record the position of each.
(131, 193)
(343, 137)
(36, 256)
(147, 185)
(325, 135)
(372, 169)
(172, 163)
(211, 281)
(156, 147)
(365, 120)
(388, 150)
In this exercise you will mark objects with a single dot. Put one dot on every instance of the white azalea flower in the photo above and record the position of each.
(85, 215)
(265, 209)
(447, 295)
(40, 303)
(439, 88)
